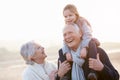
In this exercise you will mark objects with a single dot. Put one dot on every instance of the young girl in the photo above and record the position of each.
(71, 16)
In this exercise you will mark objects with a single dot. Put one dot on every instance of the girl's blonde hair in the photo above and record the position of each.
(73, 9)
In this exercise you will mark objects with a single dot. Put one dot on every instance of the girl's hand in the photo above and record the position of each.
(68, 57)
(83, 53)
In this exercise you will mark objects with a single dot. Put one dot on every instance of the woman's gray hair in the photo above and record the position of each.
(27, 50)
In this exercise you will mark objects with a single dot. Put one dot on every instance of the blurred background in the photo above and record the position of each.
(42, 21)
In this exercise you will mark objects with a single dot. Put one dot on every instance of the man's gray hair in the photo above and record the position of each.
(77, 29)
(27, 50)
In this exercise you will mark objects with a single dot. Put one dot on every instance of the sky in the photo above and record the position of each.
(43, 19)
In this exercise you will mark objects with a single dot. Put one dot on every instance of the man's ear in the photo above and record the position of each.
(80, 34)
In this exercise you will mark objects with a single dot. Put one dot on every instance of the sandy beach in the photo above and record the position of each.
(12, 64)
(12, 70)
(115, 60)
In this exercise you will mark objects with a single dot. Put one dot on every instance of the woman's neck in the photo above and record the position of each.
(39, 61)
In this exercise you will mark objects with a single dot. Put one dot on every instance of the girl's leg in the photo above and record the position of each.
(92, 53)
(92, 50)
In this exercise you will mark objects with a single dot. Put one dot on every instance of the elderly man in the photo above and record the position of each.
(39, 69)
(101, 65)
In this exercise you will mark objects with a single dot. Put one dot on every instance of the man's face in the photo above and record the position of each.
(71, 37)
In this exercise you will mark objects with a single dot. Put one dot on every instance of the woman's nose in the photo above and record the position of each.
(42, 47)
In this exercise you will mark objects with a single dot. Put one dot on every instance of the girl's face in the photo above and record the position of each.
(69, 16)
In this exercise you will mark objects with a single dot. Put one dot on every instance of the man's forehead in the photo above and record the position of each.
(68, 27)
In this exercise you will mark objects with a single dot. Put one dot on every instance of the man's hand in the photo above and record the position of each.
(63, 68)
(52, 74)
(96, 64)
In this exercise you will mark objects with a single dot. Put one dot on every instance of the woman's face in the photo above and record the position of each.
(39, 52)
(69, 16)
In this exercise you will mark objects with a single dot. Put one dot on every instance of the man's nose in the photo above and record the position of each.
(67, 36)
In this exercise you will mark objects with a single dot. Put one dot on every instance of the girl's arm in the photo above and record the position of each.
(87, 34)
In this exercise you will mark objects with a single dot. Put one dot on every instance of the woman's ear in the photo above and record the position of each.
(30, 58)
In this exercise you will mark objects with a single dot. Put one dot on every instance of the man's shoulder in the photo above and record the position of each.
(60, 50)
(61, 56)
(101, 51)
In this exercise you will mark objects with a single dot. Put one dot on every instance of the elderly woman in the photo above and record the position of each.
(38, 68)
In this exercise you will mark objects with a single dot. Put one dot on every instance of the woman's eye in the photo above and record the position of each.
(38, 48)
